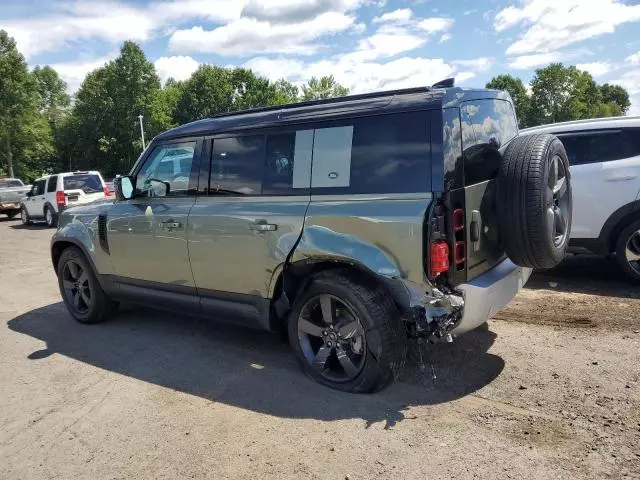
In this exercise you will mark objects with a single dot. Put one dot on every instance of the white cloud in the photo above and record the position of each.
(464, 76)
(359, 77)
(178, 67)
(633, 59)
(525, 62)
(445, 38)
(481, 64)
(597, 69)
(111, 21)
(553, 24)
(630, 80)
(248, 35)
(75, 72)
(402, 15)
(435, 24)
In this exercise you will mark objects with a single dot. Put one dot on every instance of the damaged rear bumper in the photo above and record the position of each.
(438, 314)
(489, 293)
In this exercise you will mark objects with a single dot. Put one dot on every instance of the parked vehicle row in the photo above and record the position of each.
(52, 194)
(350, 223)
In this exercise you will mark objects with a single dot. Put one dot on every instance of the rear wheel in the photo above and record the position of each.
(80, 289)
(50, 218)
(347, 336)
(11, 215)
(24, 216)
(628, 250)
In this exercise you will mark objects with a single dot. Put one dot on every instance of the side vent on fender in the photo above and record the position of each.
(102, 232)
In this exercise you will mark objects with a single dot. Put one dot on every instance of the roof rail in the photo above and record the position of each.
(308, 103)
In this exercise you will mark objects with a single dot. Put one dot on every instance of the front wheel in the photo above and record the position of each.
(82, 294)
(628, 250)
(347, 336)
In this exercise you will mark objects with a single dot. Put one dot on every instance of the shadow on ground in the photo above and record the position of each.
(586, 274)
(33, 226)
(250, 369)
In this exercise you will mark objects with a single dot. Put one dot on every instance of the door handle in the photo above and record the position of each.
(170, 225)
(263, 226)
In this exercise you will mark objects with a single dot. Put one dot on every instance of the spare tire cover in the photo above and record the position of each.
(534, 201)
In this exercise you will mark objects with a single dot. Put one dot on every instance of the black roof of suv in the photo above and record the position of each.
(422, 98)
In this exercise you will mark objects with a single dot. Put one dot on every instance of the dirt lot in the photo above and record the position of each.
(550, 389)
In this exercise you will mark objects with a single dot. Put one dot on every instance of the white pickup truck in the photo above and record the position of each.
(12, 190)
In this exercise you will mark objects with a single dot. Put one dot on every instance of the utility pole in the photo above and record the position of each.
(140, 117)
(9, 154)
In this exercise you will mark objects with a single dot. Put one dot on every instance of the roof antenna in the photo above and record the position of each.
(446, 83)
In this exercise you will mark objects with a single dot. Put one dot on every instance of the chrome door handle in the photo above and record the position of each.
(263, 226)
(170, 225)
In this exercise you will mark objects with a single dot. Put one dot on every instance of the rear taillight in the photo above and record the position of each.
(439, 258)
(458, 220)
(60, 198)
(460, 245)
(107, 192)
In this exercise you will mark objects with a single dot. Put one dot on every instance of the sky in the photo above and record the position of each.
(367, 45)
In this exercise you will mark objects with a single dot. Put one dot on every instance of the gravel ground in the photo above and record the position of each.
(549, 389)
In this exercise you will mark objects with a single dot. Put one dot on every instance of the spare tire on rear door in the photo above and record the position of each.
(534, 201)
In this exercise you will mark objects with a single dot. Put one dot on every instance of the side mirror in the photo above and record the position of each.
(30, 193)
(124, 187)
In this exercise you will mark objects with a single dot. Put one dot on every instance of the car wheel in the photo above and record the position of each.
(80, 289)
(49, 217)
(347, 336)
(534, 201)
(24, 216)
(628, 250)
(10, 215)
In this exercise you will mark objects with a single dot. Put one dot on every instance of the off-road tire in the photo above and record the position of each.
(522, 201)
(385, 333)
(102, 307)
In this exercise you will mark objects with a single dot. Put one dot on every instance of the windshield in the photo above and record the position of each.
(10, 183)
(86, 183)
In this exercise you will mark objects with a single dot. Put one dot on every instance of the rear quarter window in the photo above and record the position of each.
(487, 126)
(382, 154)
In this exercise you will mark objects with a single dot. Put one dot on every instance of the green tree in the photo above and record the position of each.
(105, 123)
(562, 93)
(324, 87)
(518, 93)
(18, 102)
(54, 100)
(287, 92)
(617, 95)
(213, 90)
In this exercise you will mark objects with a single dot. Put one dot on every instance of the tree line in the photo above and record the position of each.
(43, 129)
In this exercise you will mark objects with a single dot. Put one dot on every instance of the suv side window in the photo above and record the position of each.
(171, 163)
(38, 187)
(594, 146)
(236, 165)
(487, 126)
(52, 184)
(381, 154)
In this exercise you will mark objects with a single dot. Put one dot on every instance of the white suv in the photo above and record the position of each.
(51, 194)
(604, 155)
